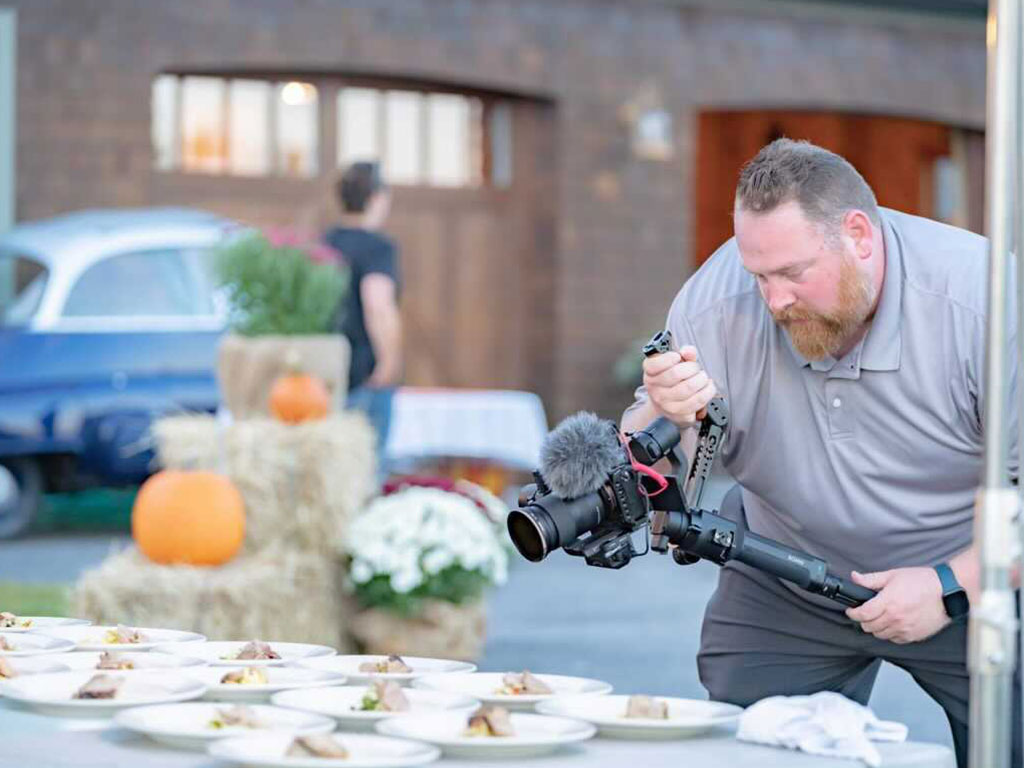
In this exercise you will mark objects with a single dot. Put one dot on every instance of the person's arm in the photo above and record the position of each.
(384, 327)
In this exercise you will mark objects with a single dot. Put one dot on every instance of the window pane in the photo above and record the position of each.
(248, 140)
(358, 125)
(22, 281)
(164, 122)
(501, 145)
(296, 129)
(403, 161)
(202, 106)
(450, 140)
(135, 284)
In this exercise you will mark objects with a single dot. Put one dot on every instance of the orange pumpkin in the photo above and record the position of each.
(194, 518)
(299, 397)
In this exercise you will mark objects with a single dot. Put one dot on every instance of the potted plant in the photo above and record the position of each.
(283, 292)
(419, 561)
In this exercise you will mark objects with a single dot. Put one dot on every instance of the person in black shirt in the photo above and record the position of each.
(369, 315)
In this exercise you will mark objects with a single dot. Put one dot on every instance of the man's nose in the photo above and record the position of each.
(777, 299)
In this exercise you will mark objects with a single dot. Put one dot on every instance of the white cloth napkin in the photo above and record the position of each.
(826, 723)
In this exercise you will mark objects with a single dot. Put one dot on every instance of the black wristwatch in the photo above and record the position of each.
(954, 597)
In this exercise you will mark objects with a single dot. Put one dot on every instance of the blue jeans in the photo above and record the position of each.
(376, 404)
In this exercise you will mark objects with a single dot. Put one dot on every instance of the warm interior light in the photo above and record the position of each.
(297, 94)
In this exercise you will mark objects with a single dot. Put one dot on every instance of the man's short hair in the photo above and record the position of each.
(824, 184)
(358, 184)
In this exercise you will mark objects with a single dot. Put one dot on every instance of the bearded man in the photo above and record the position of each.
(849, 343)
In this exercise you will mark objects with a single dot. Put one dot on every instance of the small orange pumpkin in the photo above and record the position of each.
(297, 397)
(194, 518)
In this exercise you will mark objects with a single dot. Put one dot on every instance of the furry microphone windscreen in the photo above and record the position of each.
(578, 455)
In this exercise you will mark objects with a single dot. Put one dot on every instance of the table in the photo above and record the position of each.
(28, 739)
(499, 425)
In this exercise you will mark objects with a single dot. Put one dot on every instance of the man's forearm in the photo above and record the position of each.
(385, 332)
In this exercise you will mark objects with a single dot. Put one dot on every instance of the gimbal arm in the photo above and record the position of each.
(702, 535)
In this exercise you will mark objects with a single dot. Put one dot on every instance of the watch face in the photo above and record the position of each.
(957, 604)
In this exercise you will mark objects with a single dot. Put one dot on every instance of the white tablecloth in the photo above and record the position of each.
(28, 740)
(501, 425)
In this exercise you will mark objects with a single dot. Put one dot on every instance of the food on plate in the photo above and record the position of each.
(238, 717)
(390, 666)
(5, 644)
(522, 684)
(111, 660)
(319, 745)
(246, 676)
(122, 635)
(254, 650)
(384, 696)
(6, 670)
(490, 721)
(99, 687)
(646, 707)
(8, 620)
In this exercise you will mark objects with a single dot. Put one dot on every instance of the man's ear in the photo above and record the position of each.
(857, 226)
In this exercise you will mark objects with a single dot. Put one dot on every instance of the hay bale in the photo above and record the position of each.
(248, 366)
(442, 630)
(277, 594)
(301, 483)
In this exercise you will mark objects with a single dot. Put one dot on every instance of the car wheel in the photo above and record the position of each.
(21, 489)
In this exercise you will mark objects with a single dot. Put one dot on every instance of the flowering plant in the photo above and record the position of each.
(423, 543)
(280, 282)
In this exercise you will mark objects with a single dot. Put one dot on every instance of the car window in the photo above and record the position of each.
(22, 280)
(162, 282)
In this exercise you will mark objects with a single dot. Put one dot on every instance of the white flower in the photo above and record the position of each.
(406, 581)
(361, 572)
(413, 535)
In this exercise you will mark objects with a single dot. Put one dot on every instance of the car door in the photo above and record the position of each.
(136, 338)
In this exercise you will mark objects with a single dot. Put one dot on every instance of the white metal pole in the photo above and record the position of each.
(992, 634)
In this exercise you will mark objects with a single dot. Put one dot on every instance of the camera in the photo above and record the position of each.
(597, 526)
(596, 489)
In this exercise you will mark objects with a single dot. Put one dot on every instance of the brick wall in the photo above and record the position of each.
(623, 239)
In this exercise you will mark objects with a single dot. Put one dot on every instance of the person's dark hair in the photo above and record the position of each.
(824, 184)
(357, 185)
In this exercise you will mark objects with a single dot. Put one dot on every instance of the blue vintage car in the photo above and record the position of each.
(108, 319)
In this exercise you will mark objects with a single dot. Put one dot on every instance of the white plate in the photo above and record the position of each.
(482, 686)
(37, 665)
(535, 734)
(32, 644)
(349, 666)
(219, 652)
(143, 661)
(51, 694)
(686, 717)
(186, 726)
(338, 702)
(365, 751)
(279, 679)
(44, 622)
(91, 638)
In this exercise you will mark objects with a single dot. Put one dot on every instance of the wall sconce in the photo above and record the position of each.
(650, 125)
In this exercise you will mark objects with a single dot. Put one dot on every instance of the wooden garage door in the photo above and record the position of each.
(478, 271)
(895, 155)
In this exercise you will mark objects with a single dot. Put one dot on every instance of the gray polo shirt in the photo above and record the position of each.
(872, 461)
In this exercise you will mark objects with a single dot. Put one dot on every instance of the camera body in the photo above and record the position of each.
(597, 526)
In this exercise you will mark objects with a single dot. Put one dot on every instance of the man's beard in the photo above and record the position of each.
(824, 334)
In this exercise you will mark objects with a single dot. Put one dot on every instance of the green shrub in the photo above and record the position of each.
(280, 285)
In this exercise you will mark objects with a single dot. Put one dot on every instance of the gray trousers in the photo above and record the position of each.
(760, 639)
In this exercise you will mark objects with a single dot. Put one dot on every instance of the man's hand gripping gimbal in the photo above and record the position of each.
(595, 490)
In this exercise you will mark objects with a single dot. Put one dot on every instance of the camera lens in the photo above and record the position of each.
(539, 528)
(530, 530)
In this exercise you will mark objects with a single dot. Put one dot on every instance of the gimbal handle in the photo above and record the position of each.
(702, 535)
